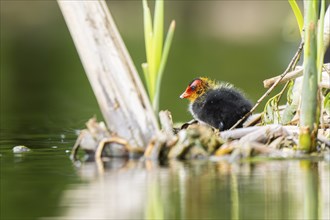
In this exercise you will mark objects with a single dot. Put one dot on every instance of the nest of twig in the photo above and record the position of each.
(198, 141)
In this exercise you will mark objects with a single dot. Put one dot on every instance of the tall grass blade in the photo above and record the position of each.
(296, 10)
(156, 58)
(147, 28)
(167, 46)
(145, 69)
(157, 41)
(148, 36)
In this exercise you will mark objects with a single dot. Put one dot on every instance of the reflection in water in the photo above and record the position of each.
(154, 207)
(234, 197)
(311, 189)
(200, 190)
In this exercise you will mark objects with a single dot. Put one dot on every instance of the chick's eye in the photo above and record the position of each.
(193, 88)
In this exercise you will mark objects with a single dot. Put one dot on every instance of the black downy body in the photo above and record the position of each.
(221, 107)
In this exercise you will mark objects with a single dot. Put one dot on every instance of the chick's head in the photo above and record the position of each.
(196, 88)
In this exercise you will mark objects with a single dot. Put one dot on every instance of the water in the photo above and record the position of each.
(44, 184)
(202, 190)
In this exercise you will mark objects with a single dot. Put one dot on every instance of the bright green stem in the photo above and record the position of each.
(296, 10)
(145, 68)
(156, 55)
(157, 43)
(148, 35)
(309, 98)
(163, 61)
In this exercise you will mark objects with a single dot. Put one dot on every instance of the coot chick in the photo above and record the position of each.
(217, 104)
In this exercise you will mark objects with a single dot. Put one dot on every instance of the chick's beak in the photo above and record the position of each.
(184, 95)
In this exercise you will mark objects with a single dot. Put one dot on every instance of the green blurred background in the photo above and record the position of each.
(42, 79)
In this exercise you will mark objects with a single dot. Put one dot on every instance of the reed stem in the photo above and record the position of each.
(309, 119)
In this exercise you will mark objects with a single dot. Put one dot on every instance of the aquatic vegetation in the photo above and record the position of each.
(296, 10)
(304, 95)
(310, 106)
(156, 52)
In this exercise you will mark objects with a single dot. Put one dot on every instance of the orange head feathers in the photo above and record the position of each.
(197, 88)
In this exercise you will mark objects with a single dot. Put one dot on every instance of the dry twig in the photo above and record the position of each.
(294, 60)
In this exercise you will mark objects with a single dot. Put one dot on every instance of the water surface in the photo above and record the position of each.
(44, 184)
